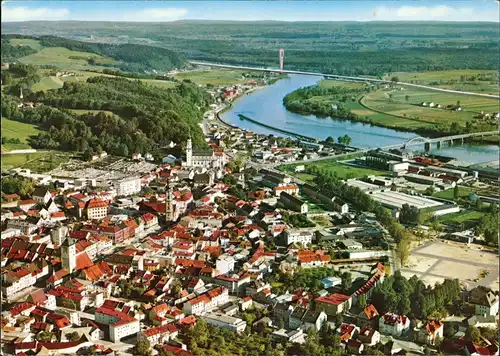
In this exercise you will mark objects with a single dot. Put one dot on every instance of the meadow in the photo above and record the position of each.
(341, 170)
(26, 42)
(40, 162)
(214, 77)
(20, 130)
(65, 58)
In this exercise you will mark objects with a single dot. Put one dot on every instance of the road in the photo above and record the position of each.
(207, 64)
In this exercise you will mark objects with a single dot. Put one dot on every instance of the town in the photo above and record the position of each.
(127, 255)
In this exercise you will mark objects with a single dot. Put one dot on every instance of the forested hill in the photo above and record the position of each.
(132, 57)
(350, 48)
(143, 116)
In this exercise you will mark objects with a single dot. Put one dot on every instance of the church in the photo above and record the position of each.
(207, 159)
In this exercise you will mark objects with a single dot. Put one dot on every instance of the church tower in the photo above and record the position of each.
(169, 204)
(68, 254)
(189, 152)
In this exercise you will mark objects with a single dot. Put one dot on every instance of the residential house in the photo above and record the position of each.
(334, 304)
(306, 319)
(432, 330)
(158, 335)
(485, 301)
(41, 195)
(96, 209)
(369, 336)
(394, 324)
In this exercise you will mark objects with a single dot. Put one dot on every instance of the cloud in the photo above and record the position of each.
(431, 13)
(21, 13)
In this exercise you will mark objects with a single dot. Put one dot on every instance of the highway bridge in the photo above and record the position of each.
(412, 142)
(334, 76)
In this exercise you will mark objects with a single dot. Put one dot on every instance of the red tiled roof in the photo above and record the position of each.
(335, 299)
(96, 203)
(27, 202)
(83, 261)
(176, 350)
(433, 326)
(163, 329)
(371, 312)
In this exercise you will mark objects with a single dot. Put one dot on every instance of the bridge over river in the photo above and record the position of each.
(334, 76)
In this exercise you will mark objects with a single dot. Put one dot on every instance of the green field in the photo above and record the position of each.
(443, 76)
(159, 83)
(335, 83)
(215, 77)
(35, 44)
(60, 57)
(463, 192)
(20, 130)
(47, 83)
(86, 111)
(410, 114)
(467, 217)
(342, 171)
(38, 162)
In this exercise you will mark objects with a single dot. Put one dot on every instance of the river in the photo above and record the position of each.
(266, 105)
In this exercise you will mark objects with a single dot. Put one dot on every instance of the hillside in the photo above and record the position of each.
(115, 114)
(126, 57)
(352, 48)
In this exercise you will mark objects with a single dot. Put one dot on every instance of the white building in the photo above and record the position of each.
(204, 159)
(207, 301)
(302, 236)
(128, 186)
(224, 264)
(393, 324)
(120, 324)
(485, 301)
(15, 281)
(227, 322)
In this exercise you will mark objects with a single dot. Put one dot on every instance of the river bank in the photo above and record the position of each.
(266, 106)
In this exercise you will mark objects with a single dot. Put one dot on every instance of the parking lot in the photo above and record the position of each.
(437, 260)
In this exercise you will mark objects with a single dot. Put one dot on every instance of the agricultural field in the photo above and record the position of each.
(65, 58)
(47, 83)
(393, 103)
(444, 76)
(214, 77)
(20, 130)
(40, 162)
(335, 83)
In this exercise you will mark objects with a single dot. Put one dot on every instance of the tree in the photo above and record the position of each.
(142, 348)
(458, 102)
(362, 301)
(87, 154)
(472, 334)
(403, 249)
(346, 281)
(44, 336)
(430, 190)
(390, 96)
(456, 192)
(23, 187)
(407, 98)
(347, 140)
(74, 336)
(395, 79)
(330, 139)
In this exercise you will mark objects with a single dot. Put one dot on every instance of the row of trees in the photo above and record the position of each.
(412, 298)
(303, 101)
(23, 187)
(298, 220)
(343, 140)
(11, 53)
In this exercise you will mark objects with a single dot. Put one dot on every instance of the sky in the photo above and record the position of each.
(163, 11)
